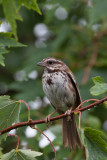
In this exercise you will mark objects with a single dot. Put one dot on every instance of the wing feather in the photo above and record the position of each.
(73, 81)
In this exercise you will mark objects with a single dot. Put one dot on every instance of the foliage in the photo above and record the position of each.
(99, 88)
(11, 12)
(96, 147)
(9, 112)
(7, 41)
(74, 31)
(21, 154)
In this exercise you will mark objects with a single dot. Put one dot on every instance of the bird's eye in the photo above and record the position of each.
(50, 62)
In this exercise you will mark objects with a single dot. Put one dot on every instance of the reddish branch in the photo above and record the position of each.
(29, 123)
(47, 139)
(27, 108)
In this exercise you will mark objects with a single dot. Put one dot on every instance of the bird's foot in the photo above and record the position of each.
(48, 118)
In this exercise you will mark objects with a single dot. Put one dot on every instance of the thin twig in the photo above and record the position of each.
(48, 140)
(86, 101)
(27, 108)
(21, 124)
(77, 111)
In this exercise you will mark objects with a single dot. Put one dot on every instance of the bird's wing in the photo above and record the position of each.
(73, 80)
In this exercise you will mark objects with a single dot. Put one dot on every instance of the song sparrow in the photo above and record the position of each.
(60, 87)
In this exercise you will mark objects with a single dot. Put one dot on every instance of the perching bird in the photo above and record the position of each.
(61, 89)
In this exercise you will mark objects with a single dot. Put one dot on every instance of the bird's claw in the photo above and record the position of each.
(47, 120)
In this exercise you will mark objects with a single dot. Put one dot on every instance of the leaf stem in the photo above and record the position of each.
(17, 140)
(87, 100)
(48, 140)
(27, 108)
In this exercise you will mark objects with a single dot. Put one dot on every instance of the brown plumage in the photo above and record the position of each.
(60, 87)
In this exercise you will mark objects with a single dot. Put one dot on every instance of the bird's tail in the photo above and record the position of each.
(70, 133)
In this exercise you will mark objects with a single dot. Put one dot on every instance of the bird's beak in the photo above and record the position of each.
(42, 64)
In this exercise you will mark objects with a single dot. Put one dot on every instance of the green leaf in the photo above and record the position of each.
(5, 39)
(2, 51)
(9, 112)
(21, 155)
(96, 147)
(11, 14)
(99, 87)
(32, 4)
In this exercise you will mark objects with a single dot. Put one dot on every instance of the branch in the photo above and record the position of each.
(47, 139)
(21, 124)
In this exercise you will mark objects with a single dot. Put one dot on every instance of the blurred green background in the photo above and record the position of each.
(76, 33)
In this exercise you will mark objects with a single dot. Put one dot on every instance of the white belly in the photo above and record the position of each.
(60, 93)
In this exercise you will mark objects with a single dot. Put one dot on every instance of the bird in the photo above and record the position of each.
(60, 87)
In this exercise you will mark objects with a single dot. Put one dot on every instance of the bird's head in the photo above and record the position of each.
(52, 64)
